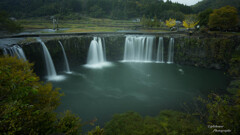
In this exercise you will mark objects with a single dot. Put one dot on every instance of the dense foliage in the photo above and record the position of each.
(223, 111)
(167, 123)
(27, 105)
(204, 17)
(116, 9)
(234, 69)
(214, 4)
(6, 24)
(224, 18)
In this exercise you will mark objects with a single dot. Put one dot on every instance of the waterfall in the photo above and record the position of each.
(160, 51)
(15, 50)
(104, 49)
(51, 72)
(138, 49)
(149, 48)
(65, 58)
(5, 51)
(171, 51)
(96, 54)
(19, 52)
(100, 51)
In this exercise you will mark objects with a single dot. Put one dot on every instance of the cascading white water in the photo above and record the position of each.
(104, 49)
(51, 72)
(65, 58)
(5, 51)
(15, 51)
(171, 51)
(160, 51)
(100, 51)
(138, 49)
(19, 52)
(96, 54)
(149, 49)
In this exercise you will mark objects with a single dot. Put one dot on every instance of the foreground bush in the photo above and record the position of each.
(167, 123)
(224, 110)
(27, 105)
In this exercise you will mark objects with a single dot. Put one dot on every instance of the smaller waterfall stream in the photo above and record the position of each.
(15, 50)
(160, 51)
(5, 51)
(104, 49)
(65, 58)
(171, 51)
(51, 72)
(96, 54)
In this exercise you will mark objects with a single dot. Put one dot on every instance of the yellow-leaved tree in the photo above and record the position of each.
(171, 22)
(190, 21)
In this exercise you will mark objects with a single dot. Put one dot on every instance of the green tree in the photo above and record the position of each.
(149, 22)
(27, 105)
(214, 4)
(204, 17)
(7, 24)
(144, 21)
(223, 110)
(155, 21)
(171, 14)
(96, 11)
(167, 123)
(224, 18)
(96, 131)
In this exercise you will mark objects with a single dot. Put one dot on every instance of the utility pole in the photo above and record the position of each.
(57, 24)
(54, 22)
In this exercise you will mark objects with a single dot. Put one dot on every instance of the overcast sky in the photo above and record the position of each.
(187, 2)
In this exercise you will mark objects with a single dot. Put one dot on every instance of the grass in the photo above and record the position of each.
(87, 24)
(84, 25)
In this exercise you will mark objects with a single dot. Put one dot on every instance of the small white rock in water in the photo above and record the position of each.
(180, 70)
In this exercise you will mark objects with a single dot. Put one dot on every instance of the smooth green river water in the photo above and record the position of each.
(146, 88)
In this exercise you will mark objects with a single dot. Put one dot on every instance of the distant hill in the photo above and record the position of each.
(205, 4)
(115, 9)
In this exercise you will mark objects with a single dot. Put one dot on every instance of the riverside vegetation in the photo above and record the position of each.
(27, 105)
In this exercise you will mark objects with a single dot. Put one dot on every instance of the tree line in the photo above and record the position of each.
(114, 9)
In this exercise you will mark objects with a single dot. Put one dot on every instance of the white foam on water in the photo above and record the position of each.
(99, 65)
(56, 78)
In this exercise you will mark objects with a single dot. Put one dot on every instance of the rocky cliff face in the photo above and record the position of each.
(213, 53)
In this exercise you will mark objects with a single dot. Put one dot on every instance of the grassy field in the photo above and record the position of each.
(83, 25)
(86, 25)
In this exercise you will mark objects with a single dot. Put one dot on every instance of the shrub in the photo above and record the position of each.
(223, 111)
(167, 122)
(27, 105)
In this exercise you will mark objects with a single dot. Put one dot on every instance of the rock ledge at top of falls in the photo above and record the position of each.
(175, 34)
